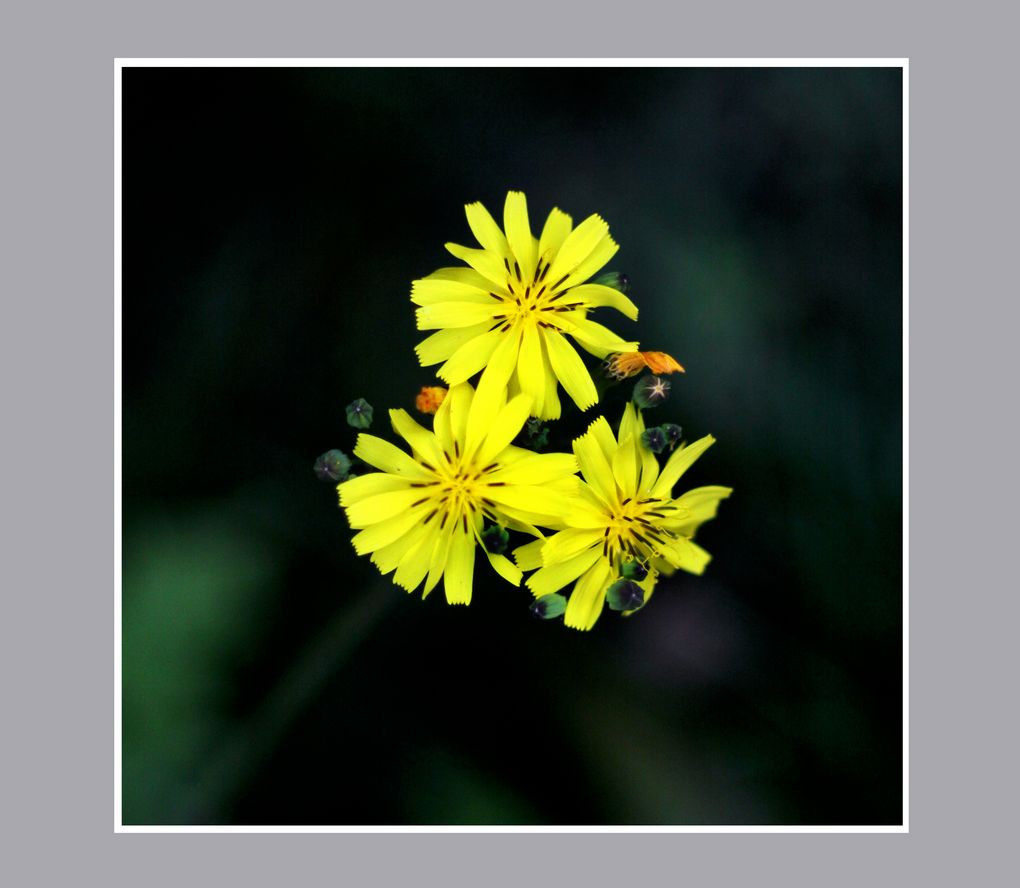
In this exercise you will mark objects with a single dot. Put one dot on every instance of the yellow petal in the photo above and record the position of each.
(385, 532)
(576, 248)
(530, 368)
(518, 234)
(462, 275)
(554, 233)
(601, 432)
(631, 423)
(570, 370)
(702, 504)
(506, 426)
(414, 564)
(443, 343)
(491, 392)
(471, 357)
(649, 471)
(589, 596)
(526, 498)
(382, 506)
(555, 576)
(625, 467)
(441, 427)
(460, 399)
(460, 565)
(454, 314)
(599, 295)
(437, 564)
(601, 253)
(595, 467)
(371, 484)
(505, 568)
(423, 442)
(685, 555)
(485, 229)
(389, 458)
(566, 544)
(429, 291)
(488, 264)
(540, 468)
(388, 558)
(681, 460)
(597, 339)
(551, 404)
(529, 556)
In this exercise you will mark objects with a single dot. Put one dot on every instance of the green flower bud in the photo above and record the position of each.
(654, 439)
(651, 391)
(614, 279)
(625, 595)
(359, 414)
(534, 435)
(496, 539)
(549, 607)
(333, 466)
(634, 570)
(673, 433)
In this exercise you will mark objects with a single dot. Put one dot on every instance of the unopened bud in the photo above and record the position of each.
(333, 466)
(625, 595)
(673, 433)
(634, 570)
(534, 435)
(548, 607)
(654, 439)
(496, 539)
(615, 279)
(359, 414)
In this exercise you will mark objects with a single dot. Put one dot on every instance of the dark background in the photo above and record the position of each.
(272, 222)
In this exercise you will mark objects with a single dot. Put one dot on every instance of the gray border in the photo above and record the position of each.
(57, 338)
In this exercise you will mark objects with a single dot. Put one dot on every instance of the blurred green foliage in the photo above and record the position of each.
(273, 221)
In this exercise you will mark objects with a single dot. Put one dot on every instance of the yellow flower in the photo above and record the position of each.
(625, 512)
(422, 514)
(508, 314)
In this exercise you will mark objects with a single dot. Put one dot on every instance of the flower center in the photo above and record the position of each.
(634, 529)
(531, 301)
(458, 491)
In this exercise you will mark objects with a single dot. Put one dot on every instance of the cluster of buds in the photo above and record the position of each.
(657, 439)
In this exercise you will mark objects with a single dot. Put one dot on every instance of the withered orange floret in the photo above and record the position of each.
(429, 399)
(625, 364)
